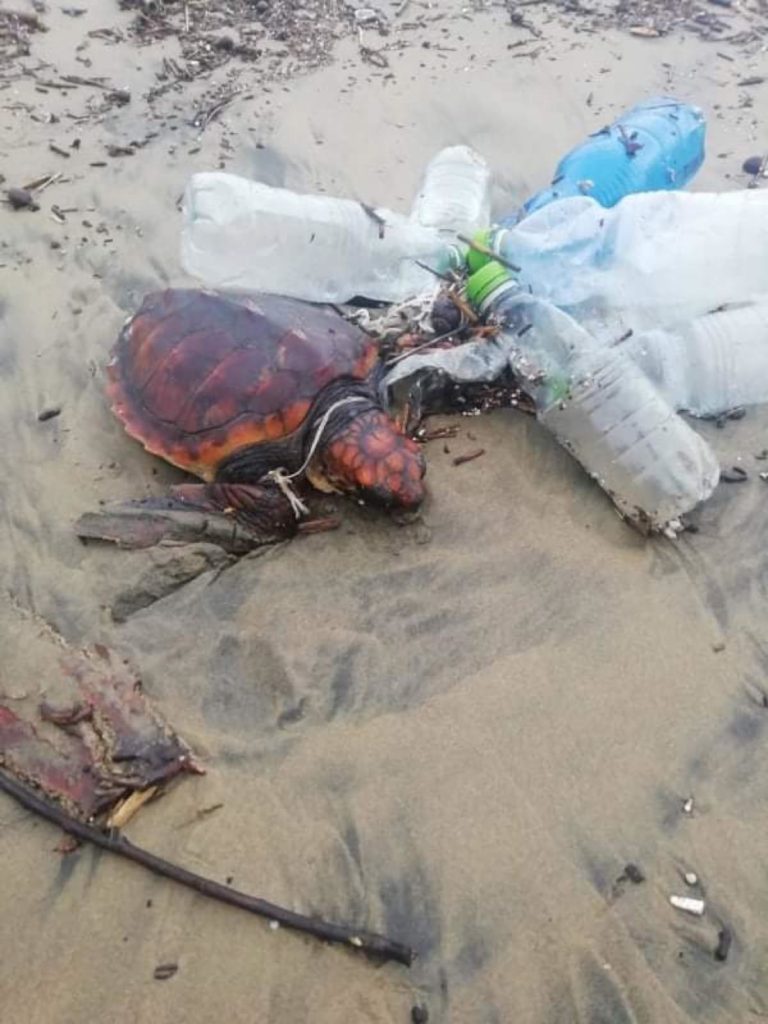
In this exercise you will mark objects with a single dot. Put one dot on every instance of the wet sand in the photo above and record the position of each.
(458, 732)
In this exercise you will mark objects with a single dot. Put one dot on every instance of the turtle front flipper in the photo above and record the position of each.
(262, 509)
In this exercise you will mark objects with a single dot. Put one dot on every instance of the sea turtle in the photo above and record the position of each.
(233, 389)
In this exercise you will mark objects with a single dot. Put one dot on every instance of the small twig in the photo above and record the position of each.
(418, 348)
(375, 946)
(437, 434)
(479, 247)
(464, 308)
(375, 217)
(47, 84)
(375, 57)
(42, 183)
(320, 525)
(203, 119)
(431, 270)
(203, 812)
(469, 457)
(79, 80)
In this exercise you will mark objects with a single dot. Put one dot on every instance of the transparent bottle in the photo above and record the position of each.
(454, 196)
(600, 406)
(240, 235)
(710, 364)
(654, 259)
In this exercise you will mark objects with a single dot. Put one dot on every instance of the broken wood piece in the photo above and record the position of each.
(132, 804)
(378, 947)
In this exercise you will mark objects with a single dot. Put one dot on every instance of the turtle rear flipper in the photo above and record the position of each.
(237, 517)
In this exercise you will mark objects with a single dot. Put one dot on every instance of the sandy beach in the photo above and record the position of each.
(459, 732)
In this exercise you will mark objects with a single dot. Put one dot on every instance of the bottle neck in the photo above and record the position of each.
(502, 290)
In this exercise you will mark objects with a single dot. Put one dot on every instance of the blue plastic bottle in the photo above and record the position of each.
(657, 145)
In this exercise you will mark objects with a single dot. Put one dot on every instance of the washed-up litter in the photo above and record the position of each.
(654, 260)
(689, 904)
(600, 298)
(241, 235)
(614, 314)
(658, 144)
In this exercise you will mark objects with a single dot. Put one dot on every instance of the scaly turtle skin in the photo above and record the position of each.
(231, 389)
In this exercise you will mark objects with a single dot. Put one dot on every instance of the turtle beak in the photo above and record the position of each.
(408, 496)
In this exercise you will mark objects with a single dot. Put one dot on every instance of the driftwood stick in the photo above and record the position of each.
(376, 946)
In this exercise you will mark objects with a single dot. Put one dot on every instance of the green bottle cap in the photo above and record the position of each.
(475, 259)
(486, 280)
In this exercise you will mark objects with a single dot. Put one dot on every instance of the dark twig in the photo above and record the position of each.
(484, 249)
(376, 946)
(376, 218)
(469, 457)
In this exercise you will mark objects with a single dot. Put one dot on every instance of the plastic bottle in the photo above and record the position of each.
(711, 364)
(656, 258)
(658, 144)
(600, 406)
(454, 196)
(241, 235)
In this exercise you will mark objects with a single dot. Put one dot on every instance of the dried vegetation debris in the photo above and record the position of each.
(16, 30)
(719, 20)
(287, 35)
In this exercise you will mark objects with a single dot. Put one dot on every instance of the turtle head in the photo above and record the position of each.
(369, 456)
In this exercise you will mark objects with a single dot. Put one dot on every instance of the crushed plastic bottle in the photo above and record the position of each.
(243, 236)
(454, 196)
(600, 406)
(240, 235)
(658, 144)
(656, 258)
(711, 364)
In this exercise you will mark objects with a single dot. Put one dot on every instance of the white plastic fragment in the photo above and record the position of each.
(691, 878)
(274, 925)
(688, 806)
(688, 904)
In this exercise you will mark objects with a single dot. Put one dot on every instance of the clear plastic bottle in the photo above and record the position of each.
(600, 406)
(658, 144)
(454, 196)
(656, 258)
(240, 235)
(711, 364)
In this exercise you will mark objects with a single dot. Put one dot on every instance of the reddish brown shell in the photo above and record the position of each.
(197, 376)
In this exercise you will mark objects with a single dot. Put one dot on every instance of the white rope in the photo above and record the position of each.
(283, 479)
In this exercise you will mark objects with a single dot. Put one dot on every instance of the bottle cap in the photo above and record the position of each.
(486, 280)
(475, 259)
